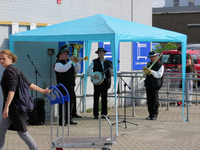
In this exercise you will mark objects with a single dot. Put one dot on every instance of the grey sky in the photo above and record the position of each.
(158, 3)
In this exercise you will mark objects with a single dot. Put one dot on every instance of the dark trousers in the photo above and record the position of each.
(72, 99)
(152, 102)
(100, 89)
(74, 109)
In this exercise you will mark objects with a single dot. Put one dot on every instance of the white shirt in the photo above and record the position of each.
(159, 73)
(90, 69)
(59, 67)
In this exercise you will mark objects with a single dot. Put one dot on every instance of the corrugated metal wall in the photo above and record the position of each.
(49, 12)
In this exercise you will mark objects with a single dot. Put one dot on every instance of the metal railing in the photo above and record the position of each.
(134, 93)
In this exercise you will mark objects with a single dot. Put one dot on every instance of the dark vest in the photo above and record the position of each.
(66, 78)
(98, 67)
(150, 81)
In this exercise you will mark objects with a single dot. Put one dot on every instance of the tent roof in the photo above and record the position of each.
(99, 28)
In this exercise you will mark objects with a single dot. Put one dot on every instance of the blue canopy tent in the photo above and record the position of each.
(102, 28)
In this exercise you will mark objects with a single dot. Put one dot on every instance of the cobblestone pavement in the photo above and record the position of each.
(168, 132)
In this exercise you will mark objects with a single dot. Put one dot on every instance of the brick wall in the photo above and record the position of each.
(178, 22)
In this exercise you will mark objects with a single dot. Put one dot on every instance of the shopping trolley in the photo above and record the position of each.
(76, 142)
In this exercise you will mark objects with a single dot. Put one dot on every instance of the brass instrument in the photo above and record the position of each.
(84, 58)
(75, 51)
(146, 72)
(76, 48)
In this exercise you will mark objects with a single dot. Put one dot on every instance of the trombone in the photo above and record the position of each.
(146, 71)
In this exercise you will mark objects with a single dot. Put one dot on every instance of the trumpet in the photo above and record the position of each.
(75, 51)
(84, 58)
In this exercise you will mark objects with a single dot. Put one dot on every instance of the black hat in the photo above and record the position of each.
(63, 48)
(151, 54)
(101, 49)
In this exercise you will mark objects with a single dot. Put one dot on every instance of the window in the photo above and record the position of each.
(194, 57)
(191, 2)
(176, 59)
(165, 58)
(176, 3)
(23, 28)
(171, 59)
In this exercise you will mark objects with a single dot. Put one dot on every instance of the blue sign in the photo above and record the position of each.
(70, 49)
(140, 52)
(108, 55)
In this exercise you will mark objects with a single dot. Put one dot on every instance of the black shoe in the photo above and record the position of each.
(73, 123)
(148, 118)
(60, 124)
(153, 118)
(96, 117)
(76, 116)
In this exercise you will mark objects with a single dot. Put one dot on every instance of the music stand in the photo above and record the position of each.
(125, 121)
(36, 72)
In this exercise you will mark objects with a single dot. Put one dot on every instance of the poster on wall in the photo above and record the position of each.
(140, 52)
(80, 52)
(108, 55)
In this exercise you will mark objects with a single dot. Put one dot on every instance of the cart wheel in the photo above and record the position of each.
(106, 148)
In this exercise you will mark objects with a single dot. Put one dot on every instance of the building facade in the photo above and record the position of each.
(18, 15)
(182, 19)
(177, 3)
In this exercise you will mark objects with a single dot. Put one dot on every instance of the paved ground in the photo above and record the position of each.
(168, 132)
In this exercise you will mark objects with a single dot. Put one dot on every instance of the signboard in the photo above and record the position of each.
(70, 49)
(108, 55)
(140, 52)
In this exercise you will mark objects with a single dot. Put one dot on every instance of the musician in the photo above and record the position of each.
(64, 70)
(100, 64)
(153, 82)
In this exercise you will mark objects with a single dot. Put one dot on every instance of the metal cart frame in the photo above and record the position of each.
(76, 142)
